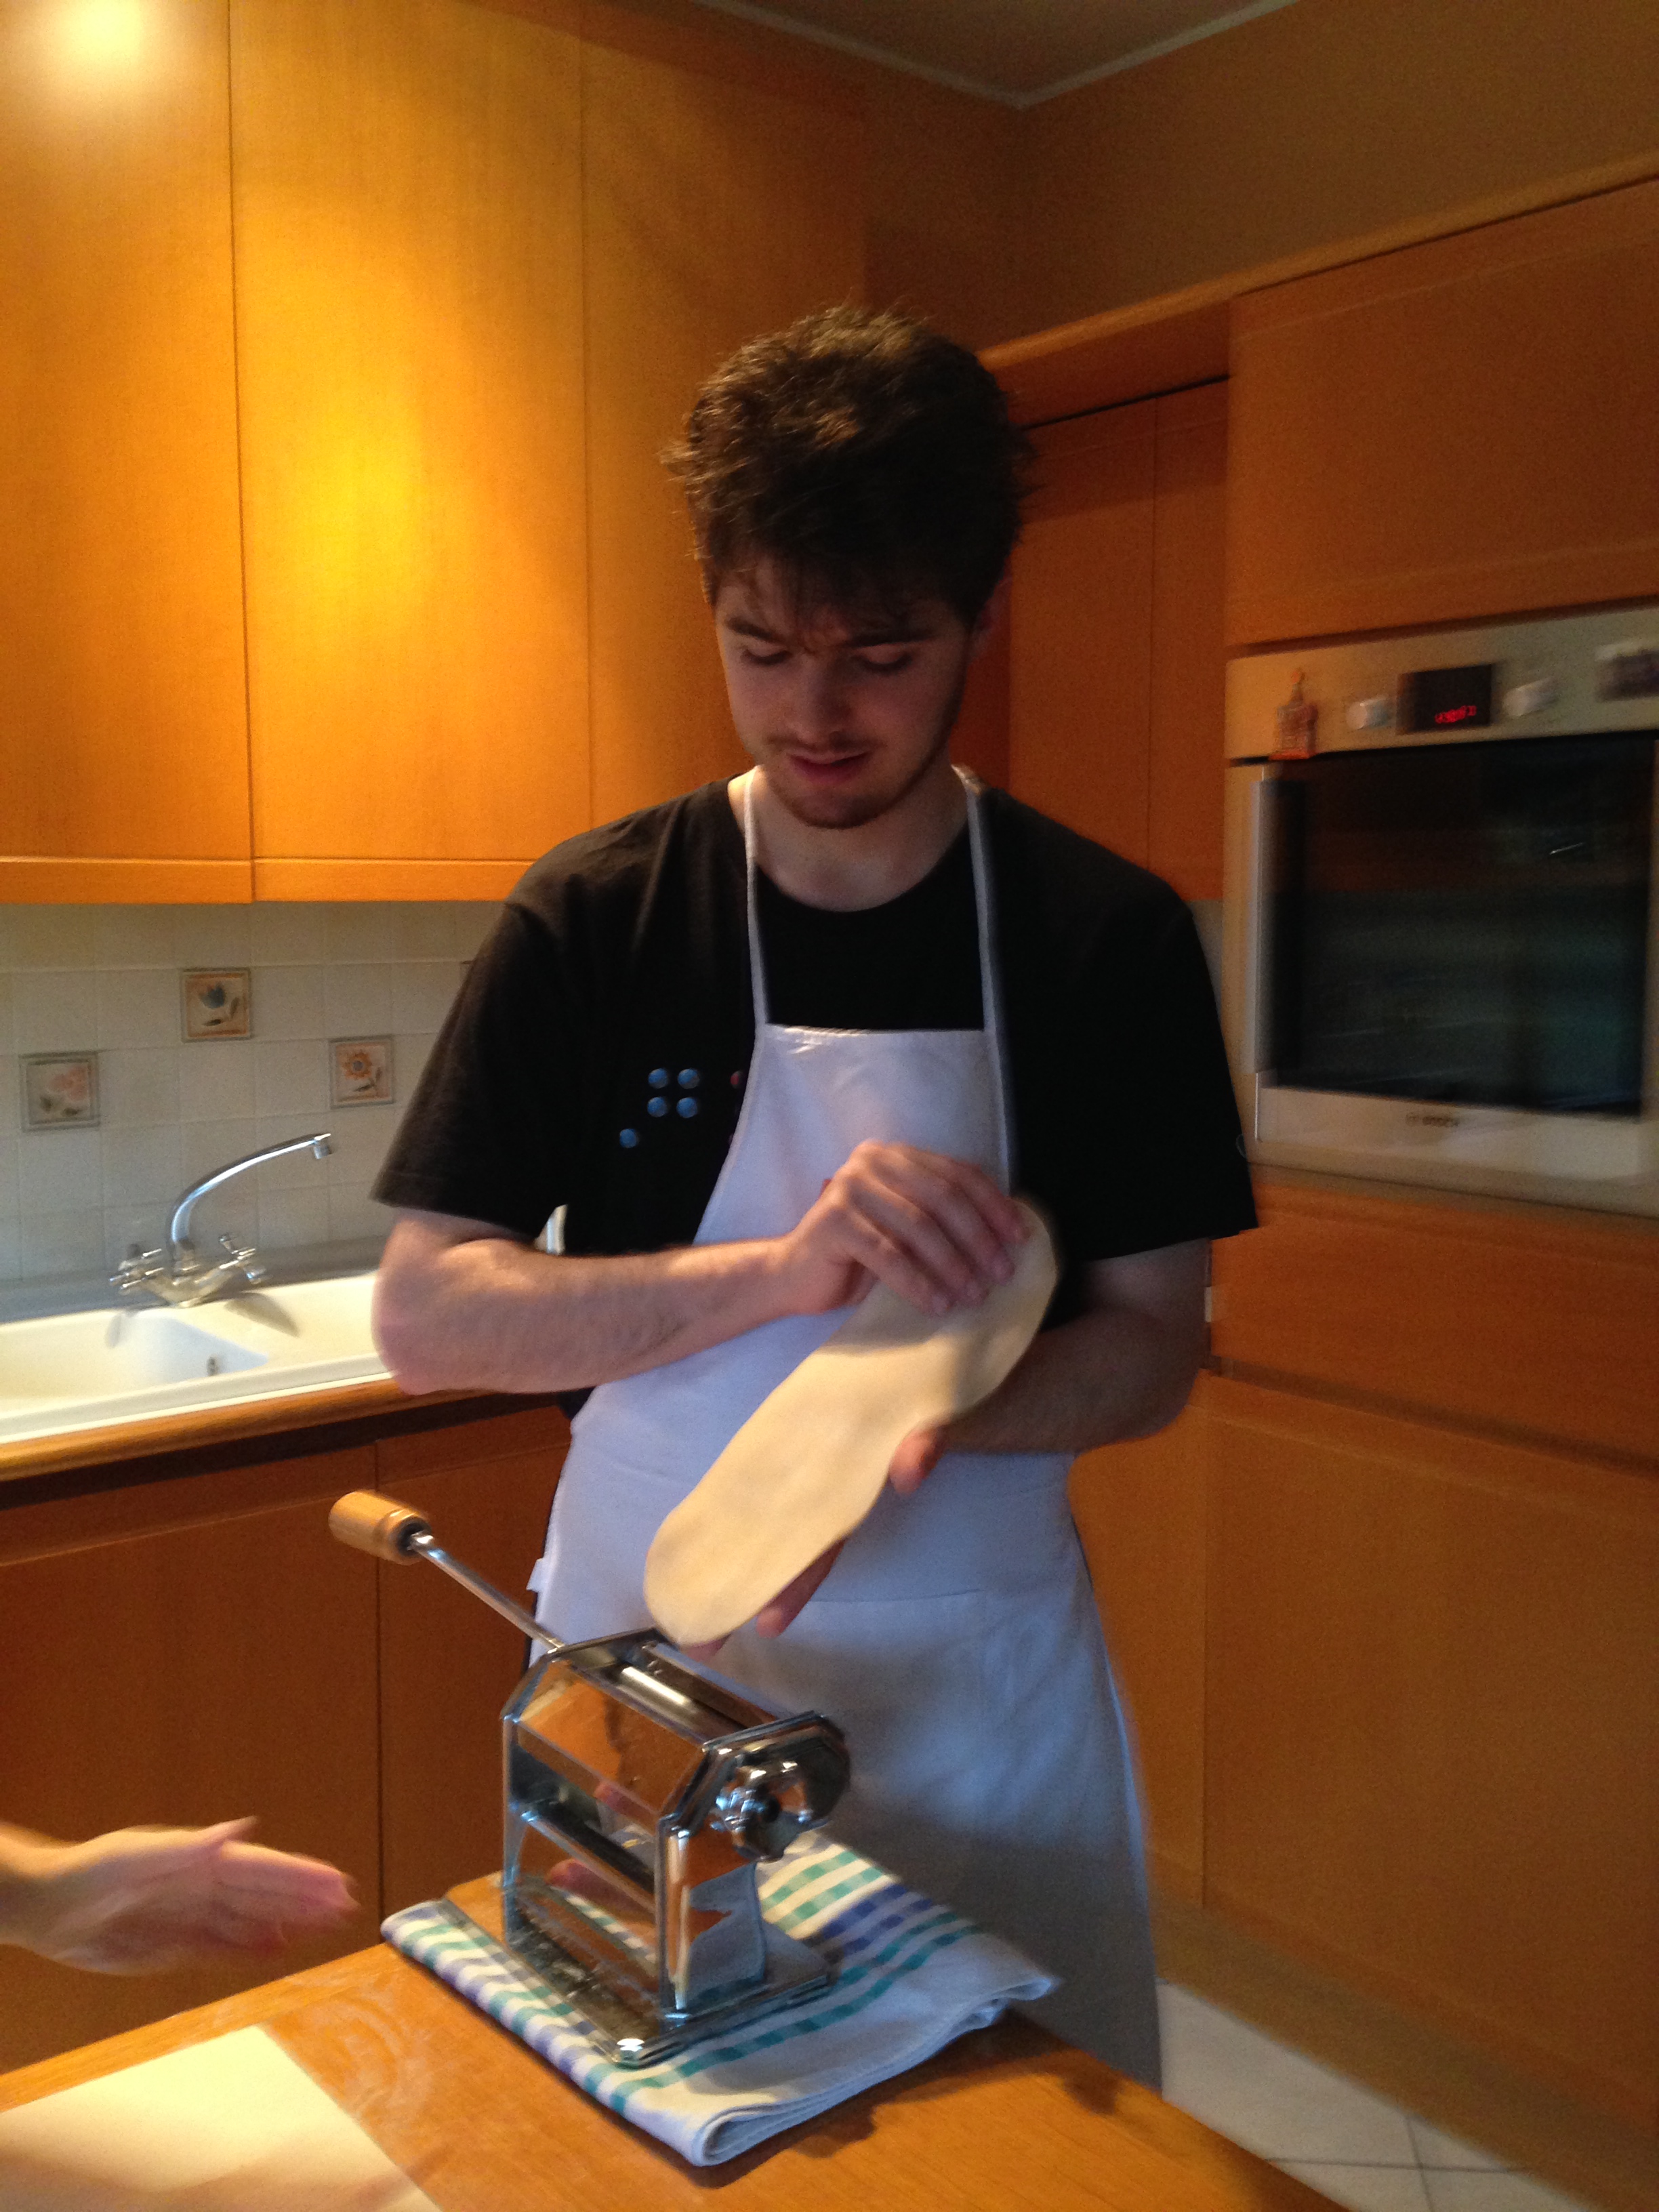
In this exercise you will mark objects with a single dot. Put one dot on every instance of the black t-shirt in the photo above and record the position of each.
(596, 1055)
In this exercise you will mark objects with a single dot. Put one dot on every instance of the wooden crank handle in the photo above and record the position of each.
(376, 1524)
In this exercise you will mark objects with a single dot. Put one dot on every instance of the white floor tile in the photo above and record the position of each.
(1363, 2188)
(1436, 2148)
(1269, 2098)
(1495, 2192)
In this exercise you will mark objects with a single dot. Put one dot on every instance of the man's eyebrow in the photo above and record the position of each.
(889, 634)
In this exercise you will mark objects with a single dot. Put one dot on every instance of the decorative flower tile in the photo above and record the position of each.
(218, 1003)
(60, 1091)
(360, 1069)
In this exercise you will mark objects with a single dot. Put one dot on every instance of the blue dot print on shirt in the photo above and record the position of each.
(658, 1078)
(689, 1078)
(687, 1108)
(656, 1108)
(628, 1139)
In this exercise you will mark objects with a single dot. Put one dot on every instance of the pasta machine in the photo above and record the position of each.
(641, 1794)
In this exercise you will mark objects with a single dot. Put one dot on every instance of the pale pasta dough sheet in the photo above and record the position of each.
(810, 1462)
(198, 2116)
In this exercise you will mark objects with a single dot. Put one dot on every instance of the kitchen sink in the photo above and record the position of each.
(126, 1363)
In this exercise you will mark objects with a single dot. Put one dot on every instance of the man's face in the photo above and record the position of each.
(846, 715)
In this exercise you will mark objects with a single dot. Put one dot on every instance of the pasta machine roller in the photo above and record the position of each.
(641, 1794)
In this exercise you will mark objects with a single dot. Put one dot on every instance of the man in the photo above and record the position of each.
(783, 1038)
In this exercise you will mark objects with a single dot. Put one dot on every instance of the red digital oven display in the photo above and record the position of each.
(1446, 698)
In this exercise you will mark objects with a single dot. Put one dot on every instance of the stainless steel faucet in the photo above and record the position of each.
(176, 1271)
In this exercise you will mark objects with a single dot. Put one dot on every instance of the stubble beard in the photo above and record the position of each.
(831, 810)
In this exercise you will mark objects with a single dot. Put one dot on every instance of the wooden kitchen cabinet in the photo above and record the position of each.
(1116, 689)
(408, 200)
(1461, 430)
(1140, 1510)
(1430, 1712)
(180, 1652)
(447, 1663)
(1529, 1319)
(722, 198)
(122, 692)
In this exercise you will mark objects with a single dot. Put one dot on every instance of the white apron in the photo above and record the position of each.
(956, 1640)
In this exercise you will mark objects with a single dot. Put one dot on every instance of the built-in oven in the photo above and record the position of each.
(1440, 959)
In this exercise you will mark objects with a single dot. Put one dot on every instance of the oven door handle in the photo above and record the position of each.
(1259, 856)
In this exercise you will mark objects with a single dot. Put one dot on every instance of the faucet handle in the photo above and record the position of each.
(138, 1268)
(241, 1256)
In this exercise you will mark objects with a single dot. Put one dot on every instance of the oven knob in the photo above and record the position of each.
(1369, 714)
(1524, 699)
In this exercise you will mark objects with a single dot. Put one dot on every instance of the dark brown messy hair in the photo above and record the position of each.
(868, 456)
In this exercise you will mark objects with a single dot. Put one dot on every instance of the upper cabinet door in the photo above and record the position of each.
(1461, 430)
(718, 207)
(407, 179)
(122, 703)
(1080, 630)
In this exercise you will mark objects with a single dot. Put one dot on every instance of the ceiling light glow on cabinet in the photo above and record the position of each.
(103, 37)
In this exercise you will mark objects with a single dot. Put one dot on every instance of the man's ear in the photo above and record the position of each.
(990, 617)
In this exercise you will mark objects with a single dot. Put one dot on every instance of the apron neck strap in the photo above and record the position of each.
(985, 915)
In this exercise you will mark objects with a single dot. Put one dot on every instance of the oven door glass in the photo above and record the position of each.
(1465, 923)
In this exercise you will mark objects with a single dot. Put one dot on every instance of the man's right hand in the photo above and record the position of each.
(935, 1230)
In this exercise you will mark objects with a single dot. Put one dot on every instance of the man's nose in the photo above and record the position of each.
(818, 703)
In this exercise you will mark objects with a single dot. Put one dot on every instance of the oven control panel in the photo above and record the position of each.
(1557, 676)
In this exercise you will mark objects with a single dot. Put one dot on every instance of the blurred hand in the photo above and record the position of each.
(936, 1231)
(140, 1900)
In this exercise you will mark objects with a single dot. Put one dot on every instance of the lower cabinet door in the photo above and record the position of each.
(175, 1678)
(1139, 1509)
(1432, 1702)
(447, 1663)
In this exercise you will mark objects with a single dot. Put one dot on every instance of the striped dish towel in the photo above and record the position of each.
(910, 1976)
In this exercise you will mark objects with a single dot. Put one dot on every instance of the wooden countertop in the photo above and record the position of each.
(1007, 2120)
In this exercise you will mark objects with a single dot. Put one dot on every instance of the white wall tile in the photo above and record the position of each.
(362, 1134)
(365, 931)
(300, 1171)
(357, 1000)
(352, 1213)
(421, 992)
(138, 1006)
(54, 936)
(409, 1055)
(8, 916)
(60, 1171)
(212, 937)
(206, 1146)
(6, 995)
(471, 921)
(216, 1079)
(142, 1166)
(290, 1076)
(422, 930)
(11, 1095)
(134, 936)
(287, 1217)
(8, 1144)
(125, 1226)
(11, 1247)
(55, 1010)
(287, 1002)
(139, 1086)
(285, 934)
(61, 1244)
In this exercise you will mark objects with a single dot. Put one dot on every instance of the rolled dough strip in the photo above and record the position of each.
(810, 1462)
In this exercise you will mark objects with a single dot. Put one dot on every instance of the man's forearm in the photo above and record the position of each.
(487, 1313)
(1105, 1378)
